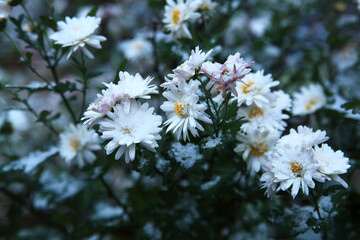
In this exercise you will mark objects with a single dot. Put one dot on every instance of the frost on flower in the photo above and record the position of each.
(183, 111)
(331, 163)
(254, 87)
(77, 32)
(178, 14)
(308, 100)
(187, 155)
(254, 144)
(130, 124)
(129, 87)
(223, 77)
(78, 143)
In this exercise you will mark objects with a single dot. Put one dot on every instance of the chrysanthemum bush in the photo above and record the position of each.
(179, 120)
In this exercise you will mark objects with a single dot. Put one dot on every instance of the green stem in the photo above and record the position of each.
(83, 72)
(28, 15)
(24, 58)
(317, 209)
(213, 118)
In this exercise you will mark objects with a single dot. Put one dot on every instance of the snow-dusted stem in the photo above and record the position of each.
(317, 209)
(84, 77)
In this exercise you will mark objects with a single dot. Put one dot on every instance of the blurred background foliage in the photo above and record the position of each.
(155, 197)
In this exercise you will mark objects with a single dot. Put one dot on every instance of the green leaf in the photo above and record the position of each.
(93, 11)
(122, 66)
(65, 86)
(354, 106)
(48, 22)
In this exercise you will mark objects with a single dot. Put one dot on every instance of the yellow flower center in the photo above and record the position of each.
(310, 104)
(225, 71)
(181, 109)
(255, 112)
(296, 167)
(74, 143)
(259, 149)
(246, 86)
(126, 130)
(175, 16)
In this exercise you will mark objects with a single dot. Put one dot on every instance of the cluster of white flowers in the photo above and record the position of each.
(179, 13)
(123, 119)
(77, 32)
(182, 85)
(308, 100)
(182, 108)
(263, 112)
(297, 160)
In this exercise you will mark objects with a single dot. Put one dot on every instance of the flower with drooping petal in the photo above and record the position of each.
(291, 165)
(126, 128)
(183, 111)
(223, 77)
(77, 32)
(254, 144)
(254, 87)
(331, 163)
(177, 14)
(77, 142)
(308, 100)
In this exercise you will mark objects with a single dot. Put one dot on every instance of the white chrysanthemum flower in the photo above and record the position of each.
(308, 100)
(77, 32)
(207, 5)
(279, 100)
(5, 9)
(182, 109)
(267, 116)
(223, 77)
(137, 48)
(331, 163)
(197, 58)
(129, 87)
(254, 144)
(126, 128)
(178, 14)
(288, 166)
(254, 87)
(304, 136)
(78, 143)
(188, 69)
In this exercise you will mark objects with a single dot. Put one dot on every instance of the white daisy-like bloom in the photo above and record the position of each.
(78, 143)
(136, 49)
(197, 58)
(5, 9)
(223, 77)
(188, 69)
(254, 144)
(308, 100)
(183, 111)
(291, 165)
(129, 87)
(177, 14)
(207, 5)
(331, 163)
(77, 32)
(254, 87)
(268, 116)
(279, 100)
(305, 136)
(126, 128)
